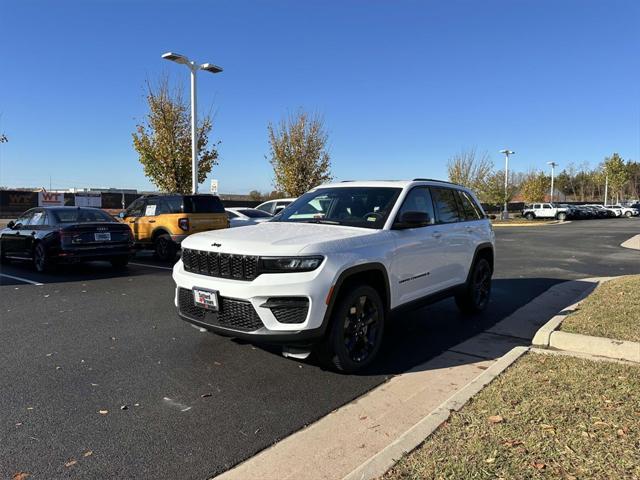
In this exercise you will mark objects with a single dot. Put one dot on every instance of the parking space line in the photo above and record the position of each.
(151, 266)
(20, 279)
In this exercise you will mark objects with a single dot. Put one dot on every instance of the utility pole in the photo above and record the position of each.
(193, 67)
(606, 188)
(507, 152)
(553, 166)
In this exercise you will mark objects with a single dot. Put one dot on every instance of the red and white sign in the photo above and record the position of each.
(50, 199)
(88, 199)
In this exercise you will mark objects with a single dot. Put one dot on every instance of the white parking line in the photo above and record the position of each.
(151, 266)
(20, 279)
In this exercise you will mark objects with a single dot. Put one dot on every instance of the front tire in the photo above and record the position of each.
(477, 293)
(41, 260)
(356, 331)
(628, 214)
(561, 216)
(165, 248)
(529, 216)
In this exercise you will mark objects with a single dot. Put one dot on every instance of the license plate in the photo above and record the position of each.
(206, 298)
(103, 237)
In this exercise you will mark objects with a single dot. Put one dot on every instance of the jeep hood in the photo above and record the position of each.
(273, 238)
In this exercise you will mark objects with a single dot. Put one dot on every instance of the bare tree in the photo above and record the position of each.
(469, 169)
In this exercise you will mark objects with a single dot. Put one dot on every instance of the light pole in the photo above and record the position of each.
(507, 152)
(193, 67)
(606, 188)
(553, 166)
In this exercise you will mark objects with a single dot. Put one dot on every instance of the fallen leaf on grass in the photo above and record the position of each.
(489, 460)
(621, 432)
(103, 412)
(88, 453)
(538, 465)
(70, 463)
(496, 419)
(206, 395)
(20, 476)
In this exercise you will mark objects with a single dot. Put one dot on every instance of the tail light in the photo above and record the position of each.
(183, 223)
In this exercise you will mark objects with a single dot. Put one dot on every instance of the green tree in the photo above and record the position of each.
(163, 141)
(256, 196)
(535, 187)
(492, 189)
(470, 170)
(299, 155)
(616, 171)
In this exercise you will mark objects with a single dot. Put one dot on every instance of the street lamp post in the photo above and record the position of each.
(553, 166)
(507, 152)
(193, 67)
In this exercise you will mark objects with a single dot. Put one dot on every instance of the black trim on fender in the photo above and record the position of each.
(481, 247)
(349, 272)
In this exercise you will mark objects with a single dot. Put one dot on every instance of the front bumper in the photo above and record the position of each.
(311, 286)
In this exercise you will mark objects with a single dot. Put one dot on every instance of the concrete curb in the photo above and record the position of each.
(602, 347)
(548, 337)
(633, 243)
(386, 458)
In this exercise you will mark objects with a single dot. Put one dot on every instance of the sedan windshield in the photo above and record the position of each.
(366, 207)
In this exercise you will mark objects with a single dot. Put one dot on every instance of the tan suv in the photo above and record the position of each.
(161, 222)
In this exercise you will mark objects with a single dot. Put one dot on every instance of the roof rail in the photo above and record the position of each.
(433, 180)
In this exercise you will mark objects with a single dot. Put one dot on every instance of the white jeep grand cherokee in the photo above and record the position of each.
(331, 268)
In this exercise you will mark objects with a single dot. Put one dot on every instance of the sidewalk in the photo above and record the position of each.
(361, 429)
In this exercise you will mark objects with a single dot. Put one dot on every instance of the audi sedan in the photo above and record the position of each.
(47, 236)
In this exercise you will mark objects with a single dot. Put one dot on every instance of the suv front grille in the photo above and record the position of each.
(223, 265)
(233, 314)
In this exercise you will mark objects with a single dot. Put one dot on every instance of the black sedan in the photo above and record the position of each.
(47, 236)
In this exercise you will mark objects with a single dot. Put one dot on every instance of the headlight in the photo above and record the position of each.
(289, 264)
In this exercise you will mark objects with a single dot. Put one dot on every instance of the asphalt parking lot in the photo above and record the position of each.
(180, 403)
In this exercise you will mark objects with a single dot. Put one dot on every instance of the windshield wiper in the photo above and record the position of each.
(323, 222)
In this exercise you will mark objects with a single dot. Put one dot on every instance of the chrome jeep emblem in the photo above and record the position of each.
(216, 244)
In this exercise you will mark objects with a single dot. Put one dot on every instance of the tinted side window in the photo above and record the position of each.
(418, 200)
(136, 209)
(268, 207)
(39, 218)
(174, 204)
(202, 204)
(444, 200)
(470, 209)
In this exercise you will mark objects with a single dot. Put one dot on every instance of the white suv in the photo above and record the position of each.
(330, 269)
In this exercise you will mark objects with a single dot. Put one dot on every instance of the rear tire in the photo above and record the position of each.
(165, 247)
(561, 216)
(119, 262)
(477, 293)
(628, 214)
(41, 260)
(529, 216)
(356, 330)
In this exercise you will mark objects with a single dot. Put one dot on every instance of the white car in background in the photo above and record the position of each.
(275, 206)
(241, 216)
(625, 211)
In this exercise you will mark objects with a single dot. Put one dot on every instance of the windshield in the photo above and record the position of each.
(81, 215)
(366, 207)
(253, 213)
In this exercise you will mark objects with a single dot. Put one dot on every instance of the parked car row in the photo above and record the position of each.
(564, 211)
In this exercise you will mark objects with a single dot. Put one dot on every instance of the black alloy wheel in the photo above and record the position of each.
(165, 248)
(356, 330)
(477, 293)
(40, 258)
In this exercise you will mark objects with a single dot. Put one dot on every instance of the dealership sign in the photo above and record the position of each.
(88, 200)
(50, 199)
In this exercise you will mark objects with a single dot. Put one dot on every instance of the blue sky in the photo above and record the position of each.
(402, 85)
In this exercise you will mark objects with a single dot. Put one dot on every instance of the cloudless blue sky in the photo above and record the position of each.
(402, 85)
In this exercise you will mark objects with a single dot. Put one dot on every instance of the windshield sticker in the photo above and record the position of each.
(371, 219)
(151, 211)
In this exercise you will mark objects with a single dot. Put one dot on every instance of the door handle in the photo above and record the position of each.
(152, 221)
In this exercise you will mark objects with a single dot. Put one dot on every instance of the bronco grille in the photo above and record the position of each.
(233, 314)
(224, 265)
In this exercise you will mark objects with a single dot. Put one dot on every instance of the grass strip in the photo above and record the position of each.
(547, 416)
(611, 311)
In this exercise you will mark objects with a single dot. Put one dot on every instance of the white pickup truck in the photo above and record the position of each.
(544, 210)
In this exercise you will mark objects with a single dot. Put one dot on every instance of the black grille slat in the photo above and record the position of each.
(222, 265)
(288, 310)
(233, 314)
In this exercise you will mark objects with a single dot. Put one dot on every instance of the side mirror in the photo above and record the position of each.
(11, 224)
(413, 220)
(121, 214)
